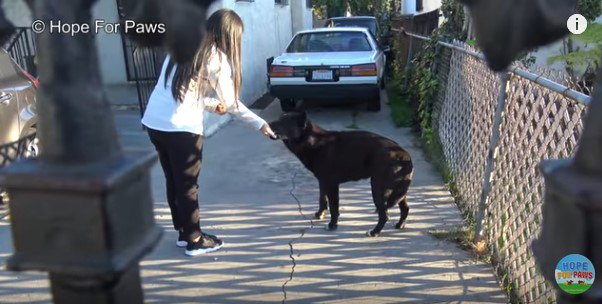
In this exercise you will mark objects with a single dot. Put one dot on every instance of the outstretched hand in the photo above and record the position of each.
(267, 131)
(221, 109)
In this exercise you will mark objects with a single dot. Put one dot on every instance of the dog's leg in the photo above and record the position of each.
(404, 210)
(333, 205)
(323, 201)
(399, 197)
(383, 217)
(378, 195)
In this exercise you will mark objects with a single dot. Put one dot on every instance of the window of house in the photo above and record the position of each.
(245, 0)
(309, 3)
(281, 2)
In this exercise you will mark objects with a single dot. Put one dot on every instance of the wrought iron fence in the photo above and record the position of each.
(21, 148)
(147, 68)
(542, 118)
(22, 48)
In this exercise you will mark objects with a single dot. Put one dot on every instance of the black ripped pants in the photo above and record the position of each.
(180, 154)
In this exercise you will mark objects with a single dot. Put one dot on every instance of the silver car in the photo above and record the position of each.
(17, 101)
(339, 64)
(18, 117)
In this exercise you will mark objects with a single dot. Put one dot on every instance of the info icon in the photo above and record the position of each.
(577, 24)
(575, 274)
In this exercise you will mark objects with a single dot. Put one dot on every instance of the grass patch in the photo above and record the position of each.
(463, 236)
(401, 110)
(507, 285)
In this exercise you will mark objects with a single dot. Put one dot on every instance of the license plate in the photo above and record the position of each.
(321, 75)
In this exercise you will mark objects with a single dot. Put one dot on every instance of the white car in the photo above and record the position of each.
(340, 63)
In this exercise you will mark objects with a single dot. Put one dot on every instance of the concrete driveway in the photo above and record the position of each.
(260, 200)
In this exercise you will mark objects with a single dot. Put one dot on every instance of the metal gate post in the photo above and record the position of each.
(493, 145)
(83, 210)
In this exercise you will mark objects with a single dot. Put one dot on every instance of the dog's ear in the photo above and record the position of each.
(301, 119)
(303, 116)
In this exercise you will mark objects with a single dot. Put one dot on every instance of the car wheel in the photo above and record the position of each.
(287, 105)
(374, 104)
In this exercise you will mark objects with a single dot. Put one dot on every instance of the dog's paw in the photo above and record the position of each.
(371, 233)
(320, 215)
(400, 225)
(332, 227)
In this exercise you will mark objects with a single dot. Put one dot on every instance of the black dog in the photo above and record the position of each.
(338, 157)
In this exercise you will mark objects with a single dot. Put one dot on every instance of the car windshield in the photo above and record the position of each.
(366, 23)
(330, 42)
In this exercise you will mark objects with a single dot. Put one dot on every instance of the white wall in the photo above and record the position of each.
(408, 7)
(109, 46)
(430, 5)
(302, 16)
(17, 12)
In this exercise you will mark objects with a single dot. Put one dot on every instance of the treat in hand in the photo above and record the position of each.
(221, 109)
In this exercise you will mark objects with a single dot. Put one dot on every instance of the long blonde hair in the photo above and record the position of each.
(224, 31)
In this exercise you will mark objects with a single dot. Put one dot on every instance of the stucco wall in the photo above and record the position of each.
(430, 5)
(109, 46)
(17, 12)
(409, 6)
(302, 16)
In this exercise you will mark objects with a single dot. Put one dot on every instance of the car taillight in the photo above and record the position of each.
(364, 70)
(33, 80)
(281, 71)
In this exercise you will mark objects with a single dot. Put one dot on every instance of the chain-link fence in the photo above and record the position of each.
(541, 118)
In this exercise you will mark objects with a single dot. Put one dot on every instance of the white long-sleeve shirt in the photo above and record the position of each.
(164, 113)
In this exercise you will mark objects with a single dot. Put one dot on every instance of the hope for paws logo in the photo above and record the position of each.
(575, 274)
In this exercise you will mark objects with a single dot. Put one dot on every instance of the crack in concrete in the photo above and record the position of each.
(290, 244)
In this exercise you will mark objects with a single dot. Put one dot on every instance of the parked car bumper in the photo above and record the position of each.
(348, 91)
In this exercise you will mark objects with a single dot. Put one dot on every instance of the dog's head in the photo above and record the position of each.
(290, 126)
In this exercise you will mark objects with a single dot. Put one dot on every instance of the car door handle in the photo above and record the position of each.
(5, 98)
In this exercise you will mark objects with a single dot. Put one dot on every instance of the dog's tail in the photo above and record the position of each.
(402, 181)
